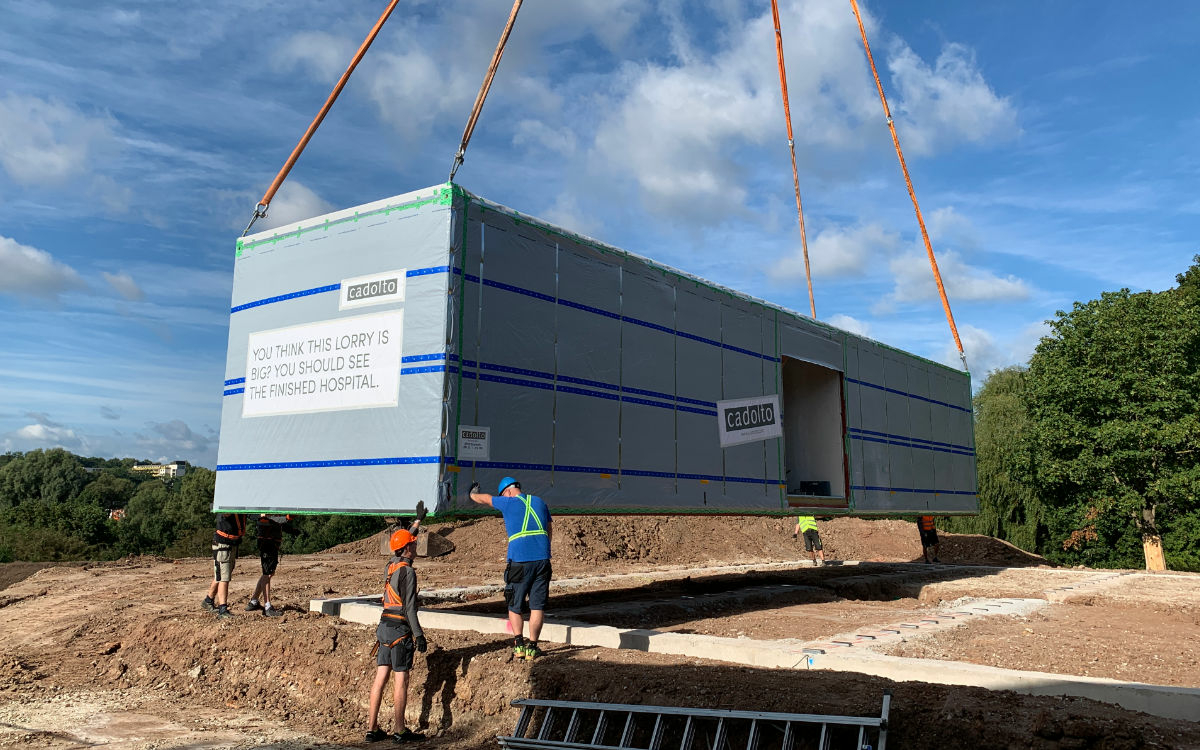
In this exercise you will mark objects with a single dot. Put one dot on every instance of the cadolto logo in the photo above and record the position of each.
(749, 417)
(474, 435)
(374, 288)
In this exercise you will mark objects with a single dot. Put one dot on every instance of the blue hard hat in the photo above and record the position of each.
(505, 483)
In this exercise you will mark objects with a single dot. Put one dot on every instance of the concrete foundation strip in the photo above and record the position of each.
(1157, 700)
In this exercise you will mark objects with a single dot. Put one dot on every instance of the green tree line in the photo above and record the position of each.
(1091, 454)
(55, 505)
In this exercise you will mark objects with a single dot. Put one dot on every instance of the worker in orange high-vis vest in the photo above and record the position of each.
(399, 634)
(231, 527)
(929, 538)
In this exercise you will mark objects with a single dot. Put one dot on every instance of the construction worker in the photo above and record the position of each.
(398, 635)
(807, 525)
(270, 539)
(929, 537)
(527, 574)
(231, 527)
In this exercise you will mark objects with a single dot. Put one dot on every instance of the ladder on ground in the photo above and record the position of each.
(551, 725)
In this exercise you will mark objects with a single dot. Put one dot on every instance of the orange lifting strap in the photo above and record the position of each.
(787, 113)
(937, 276)
(261, 209)
(483, 90)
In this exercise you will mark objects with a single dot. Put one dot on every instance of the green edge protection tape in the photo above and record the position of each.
(442, 197)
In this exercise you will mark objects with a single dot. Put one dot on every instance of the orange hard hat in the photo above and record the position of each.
(401, 539)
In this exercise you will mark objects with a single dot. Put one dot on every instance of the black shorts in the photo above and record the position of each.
(268, 555)
(928, 538)
(396, 647)
(527, 585)
(812, 540)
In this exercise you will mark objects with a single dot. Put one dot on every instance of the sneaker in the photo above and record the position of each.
(532, 651)
(272, 612)
(376, 735)
(223, 613)
(407, 735)
(253, 606)
(208, 604)
(519, 647)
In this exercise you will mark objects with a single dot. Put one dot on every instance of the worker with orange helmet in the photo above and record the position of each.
(929, 537)
(399, 634)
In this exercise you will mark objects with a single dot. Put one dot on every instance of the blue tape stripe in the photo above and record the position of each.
(905, 393)
(283, 297)
(911, 439)
(908, 489)
(613, 316)
(419, 370)
(232, 391)
(906, 444)
(426, 357)
(606, 470)
(235, 381)
(329, 288)
(332, 463)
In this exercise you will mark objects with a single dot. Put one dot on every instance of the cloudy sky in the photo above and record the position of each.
(1052, 146)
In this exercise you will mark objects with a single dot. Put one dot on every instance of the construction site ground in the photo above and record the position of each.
(120, 654)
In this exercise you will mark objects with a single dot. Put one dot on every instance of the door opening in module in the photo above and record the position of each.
(813, 435)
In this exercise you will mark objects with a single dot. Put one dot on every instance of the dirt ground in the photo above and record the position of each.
(120, 654)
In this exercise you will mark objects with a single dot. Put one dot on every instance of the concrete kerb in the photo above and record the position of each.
(1157, 700)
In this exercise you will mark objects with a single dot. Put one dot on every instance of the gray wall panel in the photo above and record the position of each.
(647, 438)
(810, 345)
(522, 422)
(587, 432)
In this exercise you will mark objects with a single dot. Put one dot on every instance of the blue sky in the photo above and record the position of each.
(1052, 147)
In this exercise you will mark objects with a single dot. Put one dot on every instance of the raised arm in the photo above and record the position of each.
(478, 497)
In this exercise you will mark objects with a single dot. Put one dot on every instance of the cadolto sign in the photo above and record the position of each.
(748, 420)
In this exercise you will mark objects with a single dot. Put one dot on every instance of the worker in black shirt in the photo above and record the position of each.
(270, 538)
(231, 527)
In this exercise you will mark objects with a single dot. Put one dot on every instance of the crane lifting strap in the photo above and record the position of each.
(787, 113)
(261, 209)
(483, 90)
(937, 276)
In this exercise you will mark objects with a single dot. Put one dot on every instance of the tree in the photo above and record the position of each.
(108, 491)
(51, 477)
(1009, 505)
(1114, 393)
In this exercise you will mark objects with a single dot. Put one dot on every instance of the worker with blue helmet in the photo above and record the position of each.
(527, 523)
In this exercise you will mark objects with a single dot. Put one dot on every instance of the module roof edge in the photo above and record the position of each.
(344, 213)
(697, 279)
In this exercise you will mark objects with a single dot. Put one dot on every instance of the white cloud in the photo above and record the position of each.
(947, 103)
(536, 135)
(125, 286)
(175, 438)
(412, 89)
(839, 251)
(323, 55)
(963, 282)
(294, 202)
(44, 142)
(44, 432)
(27, 271)
(986, 351)
(947, 226)
(851, 324)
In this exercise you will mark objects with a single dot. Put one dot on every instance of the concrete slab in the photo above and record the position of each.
(1158, 700)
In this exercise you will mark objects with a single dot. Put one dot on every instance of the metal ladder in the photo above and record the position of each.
(616, 726)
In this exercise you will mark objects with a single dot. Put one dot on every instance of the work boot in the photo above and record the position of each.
(375, 735)
(407, 735)
(208, 604)
(253, 606)
(223, 612)
(272, 612)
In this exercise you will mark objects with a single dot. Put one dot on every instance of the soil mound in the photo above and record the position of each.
(697, 540)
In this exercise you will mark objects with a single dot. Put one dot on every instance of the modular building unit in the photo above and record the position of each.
(393, 353)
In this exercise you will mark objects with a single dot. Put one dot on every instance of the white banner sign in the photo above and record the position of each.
(474, 443)
(748, 420)
(348, 363)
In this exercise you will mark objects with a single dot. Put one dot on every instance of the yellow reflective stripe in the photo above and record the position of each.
(525, 530)
(807, 523)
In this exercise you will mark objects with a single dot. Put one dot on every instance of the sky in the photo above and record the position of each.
(1052, 147)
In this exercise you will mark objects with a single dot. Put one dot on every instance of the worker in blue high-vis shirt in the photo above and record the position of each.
(527, 575)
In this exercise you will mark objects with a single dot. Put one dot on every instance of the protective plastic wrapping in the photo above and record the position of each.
(605, 382)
